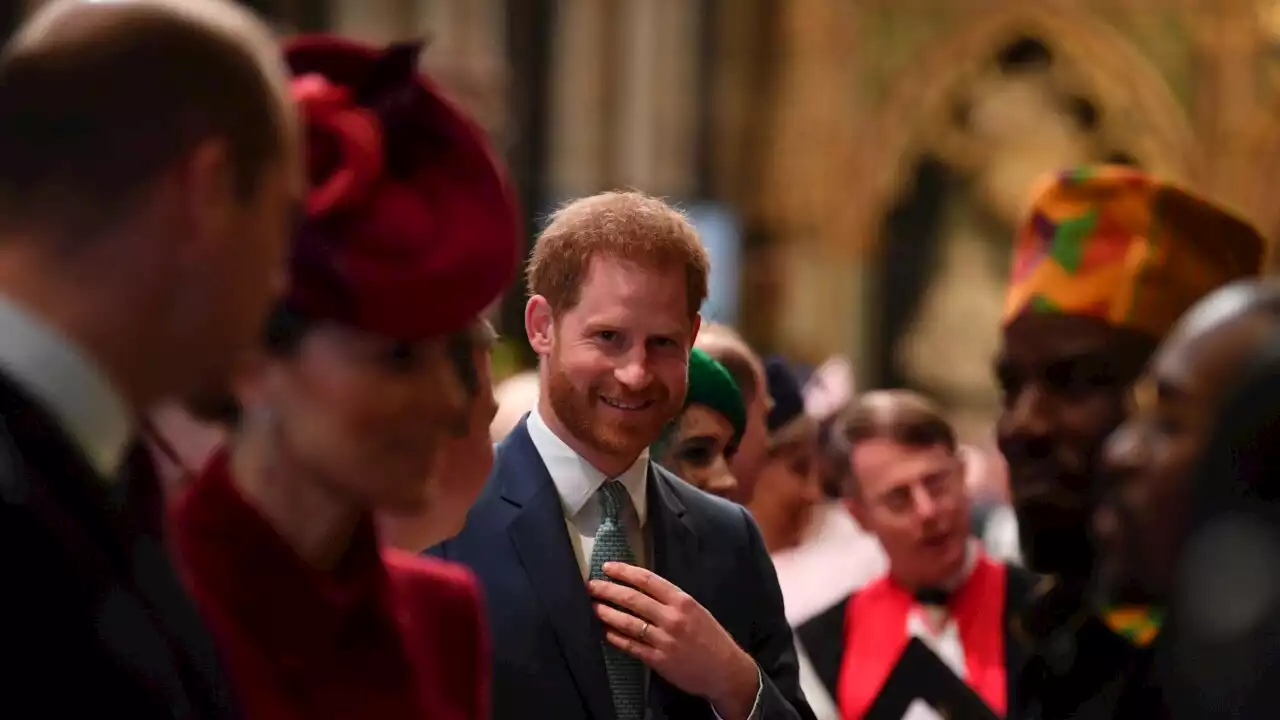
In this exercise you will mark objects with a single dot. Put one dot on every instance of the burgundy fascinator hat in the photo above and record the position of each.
(410, 226)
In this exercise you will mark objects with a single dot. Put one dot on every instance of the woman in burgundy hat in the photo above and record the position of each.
(409, 232)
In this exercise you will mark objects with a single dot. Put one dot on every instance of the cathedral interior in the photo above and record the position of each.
(872, 156)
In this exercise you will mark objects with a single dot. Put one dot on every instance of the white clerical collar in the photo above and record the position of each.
(68, 384)
(576, 479)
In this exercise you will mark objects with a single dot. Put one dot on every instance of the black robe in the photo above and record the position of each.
(823, 636)
(93, 621)
(1078, 668)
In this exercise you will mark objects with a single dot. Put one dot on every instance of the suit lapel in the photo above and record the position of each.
(541, 540)
(675, 548)
(675, 544)
(48, 476)
(157, 581)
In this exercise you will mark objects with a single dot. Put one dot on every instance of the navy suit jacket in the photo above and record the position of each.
(93, 619)
(547, 640)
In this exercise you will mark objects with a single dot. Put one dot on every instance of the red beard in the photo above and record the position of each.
(582, 413)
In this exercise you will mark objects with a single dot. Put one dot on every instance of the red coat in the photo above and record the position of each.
(388, 635)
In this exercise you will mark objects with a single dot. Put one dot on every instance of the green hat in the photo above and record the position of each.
(710, 384)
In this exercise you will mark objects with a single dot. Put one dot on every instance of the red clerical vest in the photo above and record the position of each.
(876, 634)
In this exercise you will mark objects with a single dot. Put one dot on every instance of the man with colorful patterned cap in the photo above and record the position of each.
(1106, 261)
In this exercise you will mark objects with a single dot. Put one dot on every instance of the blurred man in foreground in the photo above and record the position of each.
(148, 184)
(1216, 665)
(1106, 261)
(1150, 460)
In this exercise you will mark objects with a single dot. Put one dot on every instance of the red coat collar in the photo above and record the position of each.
(235, 559)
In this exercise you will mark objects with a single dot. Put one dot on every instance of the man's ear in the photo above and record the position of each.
(204, 195)
(697, 325)
(538, 324)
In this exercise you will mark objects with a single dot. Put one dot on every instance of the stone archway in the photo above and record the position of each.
(1124, 81)
(956, 315)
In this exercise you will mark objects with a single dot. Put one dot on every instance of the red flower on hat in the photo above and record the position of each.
(344, 145)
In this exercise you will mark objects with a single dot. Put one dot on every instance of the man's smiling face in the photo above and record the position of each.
(617, 370)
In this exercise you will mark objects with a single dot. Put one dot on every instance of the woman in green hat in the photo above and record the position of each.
(697, 445)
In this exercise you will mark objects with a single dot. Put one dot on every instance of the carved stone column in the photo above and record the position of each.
(623, 105)
(1230, 39)
(814, 118)
(654, 93)
(466, 55)
(583, 67)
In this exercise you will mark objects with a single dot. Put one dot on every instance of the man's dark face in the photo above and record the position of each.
(1064, 382)
(1148, 462)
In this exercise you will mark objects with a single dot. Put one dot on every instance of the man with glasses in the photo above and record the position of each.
(907, 488)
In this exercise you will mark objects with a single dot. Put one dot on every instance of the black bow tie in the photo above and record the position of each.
(932, 596)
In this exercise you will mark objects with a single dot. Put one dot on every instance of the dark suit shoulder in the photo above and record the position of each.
(487, 512)
(722, 514)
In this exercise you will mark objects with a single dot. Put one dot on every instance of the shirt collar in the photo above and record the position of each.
(576, 479)
(972, 551)
(67, 383)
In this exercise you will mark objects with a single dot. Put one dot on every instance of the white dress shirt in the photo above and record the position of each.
(66, 382)
(577, 482)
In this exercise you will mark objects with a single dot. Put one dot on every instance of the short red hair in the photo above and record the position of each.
(618, 225)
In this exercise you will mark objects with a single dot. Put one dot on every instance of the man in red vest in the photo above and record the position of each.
(908, 488)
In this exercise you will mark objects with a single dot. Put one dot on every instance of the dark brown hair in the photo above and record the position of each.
(103, 100)
(285, 332)
(617, 225)
(901, 416)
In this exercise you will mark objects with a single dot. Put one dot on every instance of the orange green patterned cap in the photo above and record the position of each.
(1113, 243)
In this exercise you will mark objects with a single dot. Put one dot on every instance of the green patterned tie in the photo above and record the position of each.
(626, 674)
